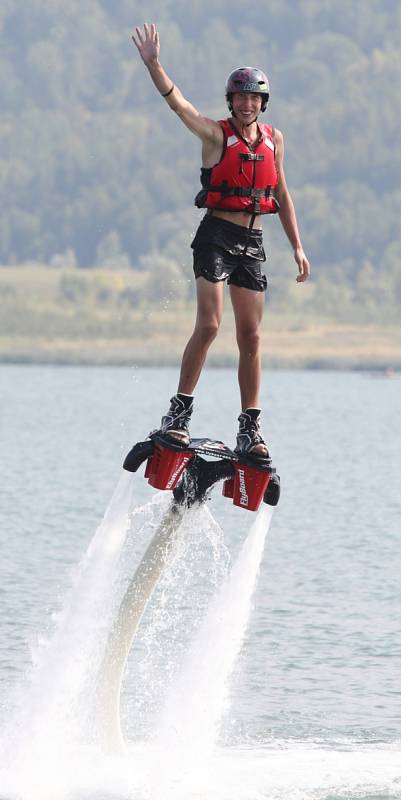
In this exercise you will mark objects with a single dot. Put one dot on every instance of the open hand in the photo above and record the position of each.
(147, 43)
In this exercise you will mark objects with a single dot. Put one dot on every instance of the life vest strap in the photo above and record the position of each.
(251, 157)
(233, 191)
(241, 191)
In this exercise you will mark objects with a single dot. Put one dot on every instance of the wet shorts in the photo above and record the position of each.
(223, 250)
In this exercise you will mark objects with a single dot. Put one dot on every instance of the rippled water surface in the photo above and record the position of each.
(319, 672)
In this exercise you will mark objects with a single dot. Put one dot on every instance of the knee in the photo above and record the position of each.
(207, 329)
(248, 339)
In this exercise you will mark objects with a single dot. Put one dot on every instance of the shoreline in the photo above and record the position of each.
(321, 347)
(323, 366)
(96, 317)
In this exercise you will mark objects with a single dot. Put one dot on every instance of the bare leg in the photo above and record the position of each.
(248, 310)
(209, 312)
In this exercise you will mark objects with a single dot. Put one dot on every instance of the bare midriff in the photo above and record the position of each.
(238, 218)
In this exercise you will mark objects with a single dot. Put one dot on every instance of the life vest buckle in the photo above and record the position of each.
(251, 157)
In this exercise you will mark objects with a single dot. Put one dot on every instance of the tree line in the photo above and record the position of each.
(94, 167)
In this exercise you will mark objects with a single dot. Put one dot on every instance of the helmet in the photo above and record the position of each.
(248, 79)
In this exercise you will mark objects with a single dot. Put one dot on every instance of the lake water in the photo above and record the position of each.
(314, 706)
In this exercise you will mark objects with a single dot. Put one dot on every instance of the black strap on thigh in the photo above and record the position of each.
(253, 217)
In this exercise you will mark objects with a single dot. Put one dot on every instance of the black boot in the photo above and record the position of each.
(250, 441)
(176, 422)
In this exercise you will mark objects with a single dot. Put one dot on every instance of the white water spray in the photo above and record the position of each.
(45, 753)
(196, 703)
(61, 681)
(73, 696)
(124, 626)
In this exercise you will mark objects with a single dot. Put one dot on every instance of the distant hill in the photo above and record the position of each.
(93, 163)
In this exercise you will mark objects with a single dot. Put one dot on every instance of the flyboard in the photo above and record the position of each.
(189, 472)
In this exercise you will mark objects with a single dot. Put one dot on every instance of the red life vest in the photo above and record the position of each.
(245, 177)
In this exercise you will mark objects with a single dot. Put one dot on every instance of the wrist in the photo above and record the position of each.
(154, 65)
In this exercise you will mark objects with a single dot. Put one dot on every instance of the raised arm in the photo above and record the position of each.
(287, 211)
(147, 43)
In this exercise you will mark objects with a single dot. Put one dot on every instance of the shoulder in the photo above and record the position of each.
(278, 138)
(215, 130)
(274, 135)
(278, 141)
(208, 130)
(227, 127)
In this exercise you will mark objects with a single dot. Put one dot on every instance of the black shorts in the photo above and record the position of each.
(223, 250)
